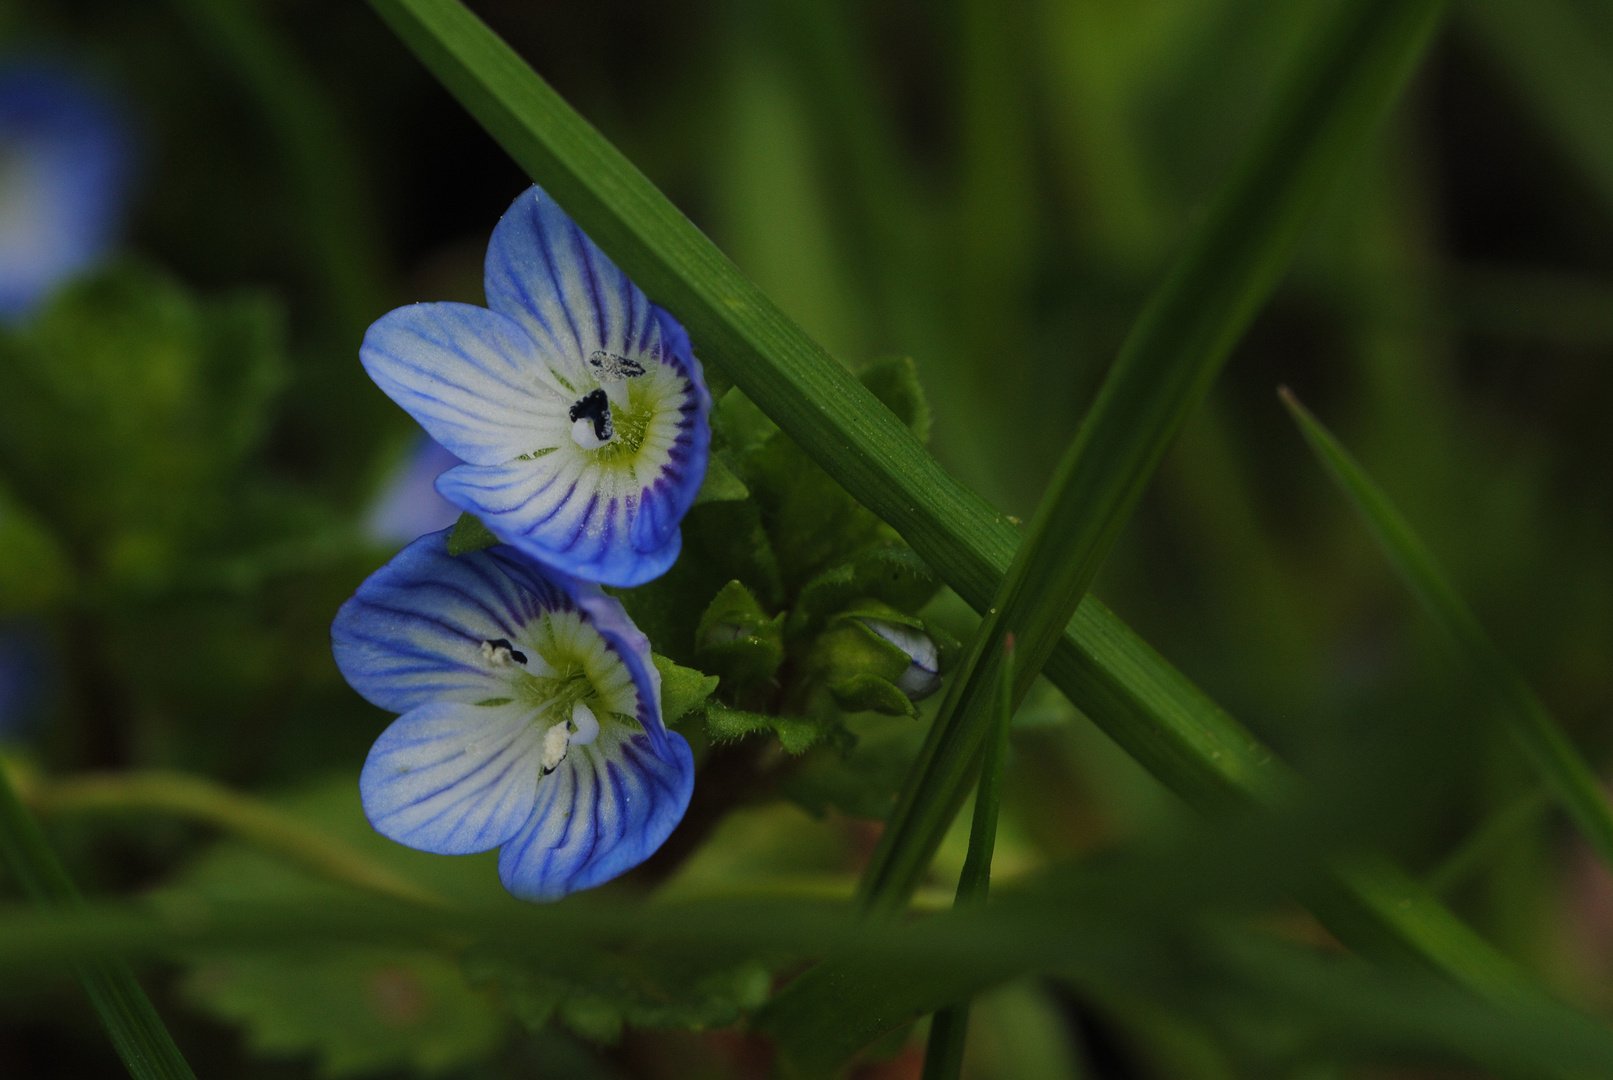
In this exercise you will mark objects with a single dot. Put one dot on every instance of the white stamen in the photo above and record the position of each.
(586, 723)
(501, 653)
(582, 433)
(556, 741)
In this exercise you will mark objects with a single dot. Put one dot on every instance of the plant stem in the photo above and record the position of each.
(949, 1029)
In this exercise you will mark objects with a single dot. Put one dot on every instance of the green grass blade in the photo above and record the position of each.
(1480, 849)
(1330, 105)
(1148, 707)
(137, 1032)
(949, 1029)
(1559, 763)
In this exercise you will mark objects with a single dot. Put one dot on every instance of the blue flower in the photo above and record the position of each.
(577, 405)
(64, 159)
(26, 666)
(531, 718)
(409, 504)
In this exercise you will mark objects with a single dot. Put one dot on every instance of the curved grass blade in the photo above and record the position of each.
(137, 1032)
(949, 1029)
(1147, 706)
(1571, 780)
(252, 820)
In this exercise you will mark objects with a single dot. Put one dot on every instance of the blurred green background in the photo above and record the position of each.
(989, 186)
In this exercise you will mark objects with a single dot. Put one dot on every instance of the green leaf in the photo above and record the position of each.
(470, 535)
(1105, 670)
(357, 1008)
(863, 692)
(722, 541)
(357, 1011)
(891, 573)
(682, 689)
(739, 640)
(860, 773)
(137, 1033)
(796, 734)
(1554, 756)
(720, 484)
(894, 380)
(127, 409)
(646, 988)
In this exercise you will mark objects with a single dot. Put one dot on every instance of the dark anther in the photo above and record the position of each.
(504, 643)
(595, 406)
(613, 368)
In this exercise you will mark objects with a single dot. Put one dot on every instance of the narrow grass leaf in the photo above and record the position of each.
(137, 1032)
(949, 1028)
(1147, 706)
(1280, 986)
(1487, 842)
(1566, 773)
(252, 820)
(1331, 103)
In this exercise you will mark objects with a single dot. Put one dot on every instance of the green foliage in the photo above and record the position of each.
(894, 380)
(127, 408)
(611, 990)
(354, 1010)
(35, 574)
(683, 690)
(1559, 763)
(738, 640)
(469, 535)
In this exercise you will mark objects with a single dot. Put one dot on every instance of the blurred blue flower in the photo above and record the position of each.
(531, 718)
(26, 664)
(409, 504)
(64, 162)
(577, 404)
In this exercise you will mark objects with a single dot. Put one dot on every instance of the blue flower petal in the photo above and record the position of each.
(413, 632)
(452, 778)
(64, 164)
(606, 809)
(472, 378)
(544, 273)
(409, 505)
(561, 510)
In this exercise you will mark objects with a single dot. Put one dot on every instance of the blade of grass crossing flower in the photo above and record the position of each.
(1324, 114)
(1565, 771)
(137, 1032)
(949, 1028)
(1148, 707)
